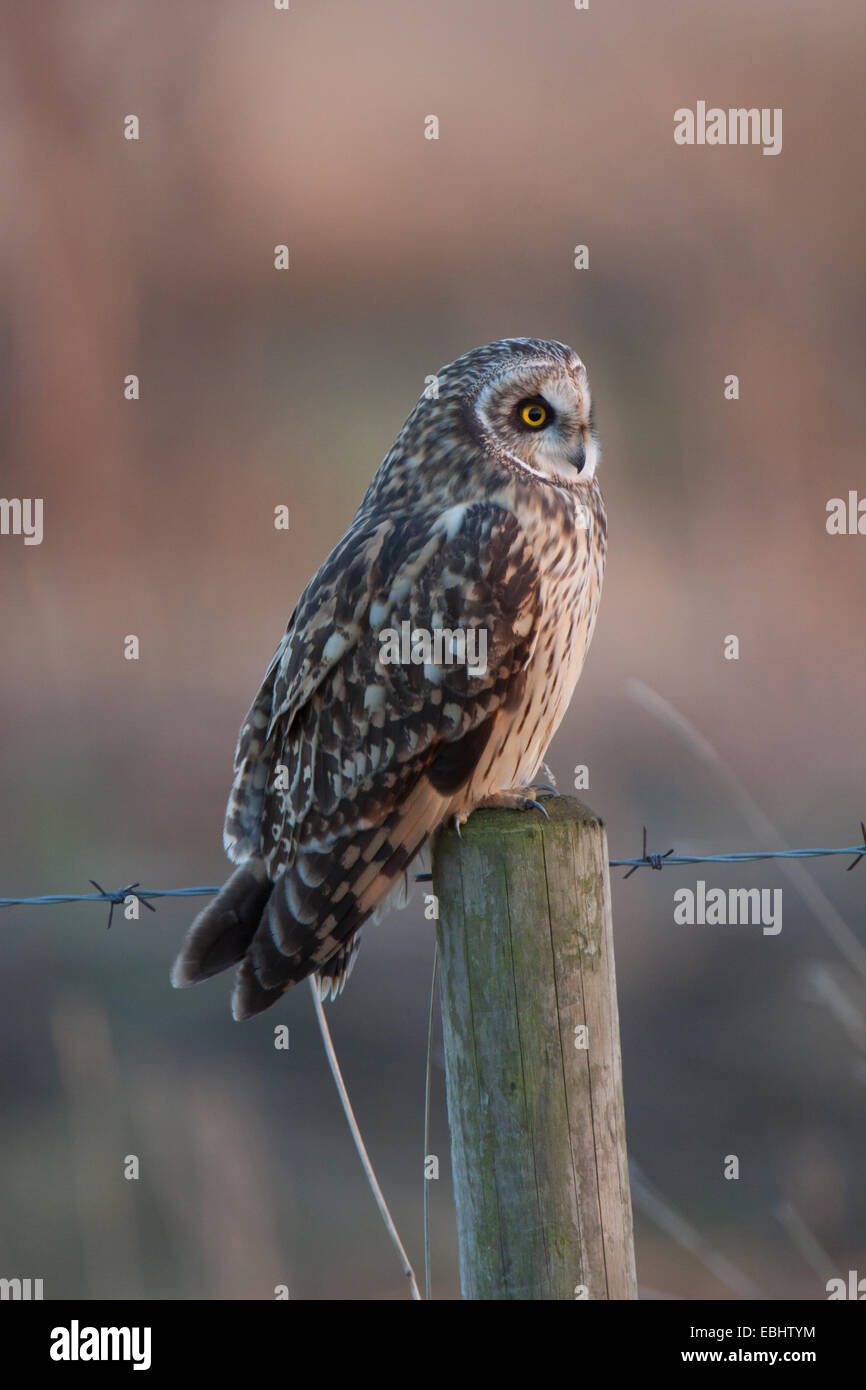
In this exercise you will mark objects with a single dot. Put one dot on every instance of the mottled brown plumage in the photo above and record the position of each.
(480, 520)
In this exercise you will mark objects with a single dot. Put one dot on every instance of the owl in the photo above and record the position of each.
(423, 672)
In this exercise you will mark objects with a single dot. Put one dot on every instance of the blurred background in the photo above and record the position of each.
(261, 388)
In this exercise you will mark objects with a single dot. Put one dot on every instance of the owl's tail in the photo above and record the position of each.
(223, 930)
(307, 923)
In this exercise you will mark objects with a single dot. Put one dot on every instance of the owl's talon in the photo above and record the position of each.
(515, 799)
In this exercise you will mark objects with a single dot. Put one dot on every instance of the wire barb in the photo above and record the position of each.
(653, 860)
(861, 852)
(116, 897)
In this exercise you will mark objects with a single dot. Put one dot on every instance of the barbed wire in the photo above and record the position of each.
(116, 897)
(668, 859)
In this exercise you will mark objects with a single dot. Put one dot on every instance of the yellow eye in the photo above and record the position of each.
(534, 416)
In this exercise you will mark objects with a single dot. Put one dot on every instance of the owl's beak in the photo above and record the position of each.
(578, 458)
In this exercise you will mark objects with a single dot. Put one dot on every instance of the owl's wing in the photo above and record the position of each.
(328, 618)
(472, 570)
(347, 762)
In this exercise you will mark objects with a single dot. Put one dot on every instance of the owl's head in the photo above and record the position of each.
(528, 402)
(519, 408)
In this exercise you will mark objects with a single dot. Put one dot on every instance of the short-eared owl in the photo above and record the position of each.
(484, 521)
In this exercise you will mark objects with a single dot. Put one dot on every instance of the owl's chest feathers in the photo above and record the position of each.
(568, 540)
(567, 533)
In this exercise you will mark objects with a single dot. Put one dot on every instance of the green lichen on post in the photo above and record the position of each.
(536, 1117)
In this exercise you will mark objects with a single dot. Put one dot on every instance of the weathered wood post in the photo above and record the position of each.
(532, 1055)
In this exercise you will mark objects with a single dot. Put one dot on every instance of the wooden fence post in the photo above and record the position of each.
(532, 1055)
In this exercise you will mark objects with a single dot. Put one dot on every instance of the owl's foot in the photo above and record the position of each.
(514, 799)
(518, 799)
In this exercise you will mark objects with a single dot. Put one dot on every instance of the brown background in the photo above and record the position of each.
(261, 388)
